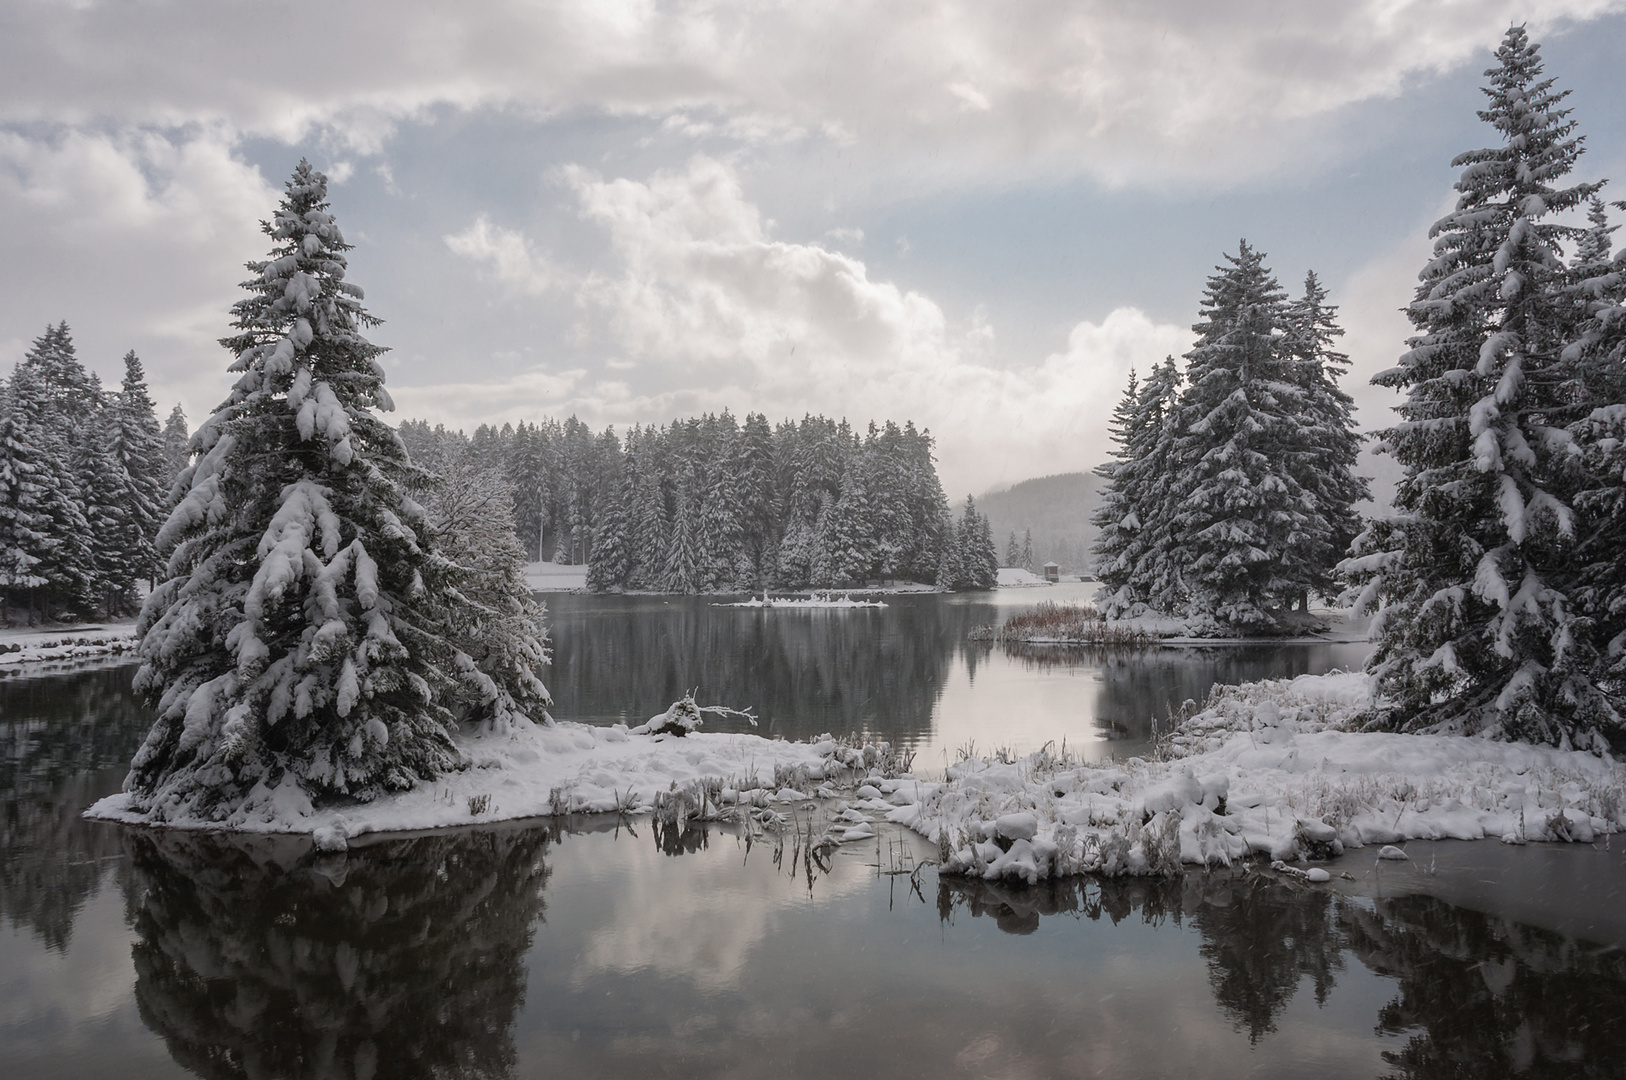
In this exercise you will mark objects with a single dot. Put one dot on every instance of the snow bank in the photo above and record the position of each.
(1015, 577)
(55, 646)
(555, 577)
(564, 769)
(1266, 769)
(817, 600)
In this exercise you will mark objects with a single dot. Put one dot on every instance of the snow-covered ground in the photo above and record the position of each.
(817, 600)
(552, 577)
(65, 645)
(573, 768)
(1015, 577)
(1267, 769)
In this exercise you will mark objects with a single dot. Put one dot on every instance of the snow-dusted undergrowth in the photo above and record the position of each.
(567, 768)
(1267, 769)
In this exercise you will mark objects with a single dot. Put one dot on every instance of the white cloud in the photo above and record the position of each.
(138, 241)
(1118, 91)
(509, 255)
(716, 312)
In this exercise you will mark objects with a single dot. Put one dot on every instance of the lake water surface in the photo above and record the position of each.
(578, 948)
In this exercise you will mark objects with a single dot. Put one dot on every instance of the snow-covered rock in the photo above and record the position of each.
(1267, 769)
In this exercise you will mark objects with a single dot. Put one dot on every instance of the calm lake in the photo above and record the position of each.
(577, 948)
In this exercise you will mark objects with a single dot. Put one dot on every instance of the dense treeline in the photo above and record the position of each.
(1232, 495)
(711, 504)
(85, 475)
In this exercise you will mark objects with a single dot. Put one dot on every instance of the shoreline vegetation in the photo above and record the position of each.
(1051, 623)
(1283, 772)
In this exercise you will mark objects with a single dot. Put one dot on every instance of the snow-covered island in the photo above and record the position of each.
(1065, 624)
(663, 767)
(840, 600)
(1276, 770)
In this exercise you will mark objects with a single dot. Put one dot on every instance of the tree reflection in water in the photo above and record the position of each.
(260, 958)
(1481, 996)
(805, 672)
(1477, 995)
(65, 741)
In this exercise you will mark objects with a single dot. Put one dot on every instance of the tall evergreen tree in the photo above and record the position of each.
(116, 545)
(1116, 520)
(1134, 556)
(23, 521)
(1330, 445)
(66, 562)
(299, 639)
(1238, 510)
(1477, 632)
(176, 456)
(135, 444)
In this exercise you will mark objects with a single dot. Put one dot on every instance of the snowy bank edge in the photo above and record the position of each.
(1267, 770)
(536, 771)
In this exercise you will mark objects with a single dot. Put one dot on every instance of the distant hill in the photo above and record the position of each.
(1057, 509)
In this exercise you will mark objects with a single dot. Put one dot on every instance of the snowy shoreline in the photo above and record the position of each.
(568, 768)
(1267, 769)
(27, 648)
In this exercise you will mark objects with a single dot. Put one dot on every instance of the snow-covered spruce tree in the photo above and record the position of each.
(1027, 550)
(1238, 514)
(22, 517)
(136, 445)
(1477, 632)
(611, 557)
(1115, 520)
(104, 490)
(175, 454)
(683, 554)
(978, 556)
(950, 574)
(1327, 469)
(298, 639)
(1596, 360)
(494, 623)
(1141, 572)
(65, 564)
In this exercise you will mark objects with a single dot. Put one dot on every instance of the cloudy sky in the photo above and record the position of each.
(977, 216)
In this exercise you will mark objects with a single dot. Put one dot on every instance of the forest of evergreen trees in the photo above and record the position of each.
(85, 475)
(710, 504)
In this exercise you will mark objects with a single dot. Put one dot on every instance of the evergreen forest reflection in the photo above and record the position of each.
(65, 741)
(905, 672)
